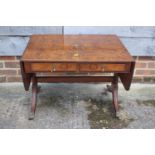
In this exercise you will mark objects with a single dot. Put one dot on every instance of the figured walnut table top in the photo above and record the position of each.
(76, 48)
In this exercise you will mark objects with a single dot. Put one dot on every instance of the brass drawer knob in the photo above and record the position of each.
(53, 68)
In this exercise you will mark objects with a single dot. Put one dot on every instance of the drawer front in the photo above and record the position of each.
(90, 67)
(100, 67)
(73, 67)
(53, 67)
(116, 67)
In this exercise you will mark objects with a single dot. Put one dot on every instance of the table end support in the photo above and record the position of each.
(115, 92)
(34, 97)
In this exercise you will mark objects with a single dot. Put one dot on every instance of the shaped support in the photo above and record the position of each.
(113, 88)
(115, 92)
(34, 97)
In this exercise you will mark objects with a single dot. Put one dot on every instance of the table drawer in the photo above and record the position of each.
(53, 67)
(100, 67)
(73, 67)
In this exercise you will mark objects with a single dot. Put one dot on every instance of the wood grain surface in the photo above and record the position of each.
(76, 48)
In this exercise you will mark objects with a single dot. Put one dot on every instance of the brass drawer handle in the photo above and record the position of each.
(103, 67)
(53, 68)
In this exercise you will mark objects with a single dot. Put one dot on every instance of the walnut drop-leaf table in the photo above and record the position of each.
(76, 58)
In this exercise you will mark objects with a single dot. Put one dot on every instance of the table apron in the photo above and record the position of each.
(76, 67)
(75, 79)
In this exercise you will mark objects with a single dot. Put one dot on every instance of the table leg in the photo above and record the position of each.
(115, 92)
(34, 97)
